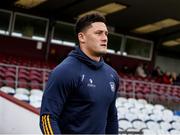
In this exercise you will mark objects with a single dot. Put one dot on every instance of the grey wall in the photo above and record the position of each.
(168, 64)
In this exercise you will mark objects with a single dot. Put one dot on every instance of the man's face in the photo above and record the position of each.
(95, 39)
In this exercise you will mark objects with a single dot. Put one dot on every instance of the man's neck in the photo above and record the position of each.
(94, 58)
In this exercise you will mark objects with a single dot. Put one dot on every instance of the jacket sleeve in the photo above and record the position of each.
(54, 98)
(112, 120)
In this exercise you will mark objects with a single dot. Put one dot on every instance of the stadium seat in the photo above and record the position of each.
(156, 117)
(10, 81)
(139, 105)
(22, 97)
(138, 124)
(124, 124)
(36, 104)
(35, 98)
(152, 125)
(132, 101)
(23, 75)
(143, 116)
(24, 71)
(11, 69)
(35, 84)
(122, 110)
(134, 110)
(176, 125)
(22, 91)
(8, 90)
(162, 132)
(36, 92)
(167, 115)
(140, 95)
(1, 82)
(159, 107)
(23, 83)
(128, 105)
(148, 109)
(2, 68)
(131, 116)
(9, 74)
(175, 132)
(176, 118)
(165, 126)
(143, 101)
(2, 72)
(148, 132)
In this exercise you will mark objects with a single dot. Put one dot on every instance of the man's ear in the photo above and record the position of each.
(81, 37)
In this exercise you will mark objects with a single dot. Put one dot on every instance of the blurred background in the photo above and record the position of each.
(144, 48)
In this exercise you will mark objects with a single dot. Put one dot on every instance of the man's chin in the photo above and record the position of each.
(102, 53)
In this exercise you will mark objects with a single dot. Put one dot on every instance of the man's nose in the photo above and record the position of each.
(105, 38)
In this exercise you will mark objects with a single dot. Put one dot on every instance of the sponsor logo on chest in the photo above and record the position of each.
(91, 84)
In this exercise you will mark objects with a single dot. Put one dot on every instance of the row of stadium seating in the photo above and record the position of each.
(147, 90)
(135, 77)
(140, 116)
(24, 61)
(33, 96)
(134, 115)
(35, 78)
(24, 77)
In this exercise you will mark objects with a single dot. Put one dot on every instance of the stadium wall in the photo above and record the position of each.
(21, 47)
(172, 66)
(56, 53)
(16, 119)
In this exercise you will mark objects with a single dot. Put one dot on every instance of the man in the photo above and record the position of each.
(80, 94)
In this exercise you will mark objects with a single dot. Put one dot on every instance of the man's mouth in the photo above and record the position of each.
(104, 45)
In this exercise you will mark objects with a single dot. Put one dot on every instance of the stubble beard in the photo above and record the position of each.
(100, 54)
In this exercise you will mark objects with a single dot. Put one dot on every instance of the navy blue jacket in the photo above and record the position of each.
(80, 97)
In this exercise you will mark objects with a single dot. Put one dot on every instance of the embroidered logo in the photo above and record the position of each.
(90, 80)
(90, 84)
(82, 77)
(112, 85)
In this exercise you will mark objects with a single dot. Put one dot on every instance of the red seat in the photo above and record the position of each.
(23, 70)
(2, 69)
(11, 69)
(23, 83)
(34, 84)
(10, 81)
(2, 74)
(147, 90)
(1, 82)
(35, 72)
(140, 95)
(22, 75)
(36, 78)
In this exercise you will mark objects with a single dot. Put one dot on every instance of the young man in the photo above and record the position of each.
(81, 91)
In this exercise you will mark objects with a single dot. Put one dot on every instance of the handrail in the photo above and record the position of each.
(17, 67)
(153, 90)
(154, 83)
(151, 85)
(35, 68)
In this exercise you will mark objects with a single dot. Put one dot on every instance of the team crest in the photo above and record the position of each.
(112, 85)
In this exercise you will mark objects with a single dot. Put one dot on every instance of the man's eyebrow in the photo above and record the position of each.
(102, 30)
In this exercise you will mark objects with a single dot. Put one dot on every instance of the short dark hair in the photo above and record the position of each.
(86, 20)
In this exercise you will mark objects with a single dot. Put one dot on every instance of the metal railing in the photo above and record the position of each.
(127, 87)
(16, 71)
(153, 92)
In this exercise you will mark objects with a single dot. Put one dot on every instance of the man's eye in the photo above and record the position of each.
(98, 33)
